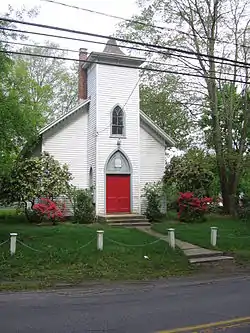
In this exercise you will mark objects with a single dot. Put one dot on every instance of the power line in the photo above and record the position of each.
(91, 41)
(104, 43)
(38, 46)
(124, 66)
(97, 42)
(136, 21)
(70, 50)
(104, 14)
(121, 40)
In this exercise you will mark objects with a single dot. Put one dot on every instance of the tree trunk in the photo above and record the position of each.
(26, 212)
(229, 186)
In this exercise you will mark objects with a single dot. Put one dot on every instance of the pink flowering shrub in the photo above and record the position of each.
(49, 209)
(191, 208)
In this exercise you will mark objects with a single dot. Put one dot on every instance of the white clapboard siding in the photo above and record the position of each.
(152, 156)
(67, 142)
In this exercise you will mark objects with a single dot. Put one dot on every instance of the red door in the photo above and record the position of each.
(118, 194)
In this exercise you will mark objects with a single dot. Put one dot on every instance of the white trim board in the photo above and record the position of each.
(65, 116)
(157, 129)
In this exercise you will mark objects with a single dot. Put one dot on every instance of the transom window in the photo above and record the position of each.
(117, 121)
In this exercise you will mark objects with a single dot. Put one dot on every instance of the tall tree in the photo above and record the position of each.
(53, 74)
(215, 31)
(160, 100)
(20, 118)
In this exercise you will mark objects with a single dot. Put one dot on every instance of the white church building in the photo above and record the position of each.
(106, 140)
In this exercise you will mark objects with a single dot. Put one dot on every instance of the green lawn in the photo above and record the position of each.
(60, 258)
(233, 235)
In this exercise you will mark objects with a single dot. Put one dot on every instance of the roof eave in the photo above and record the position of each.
(57, 121)
(170, 142)
(95, 57)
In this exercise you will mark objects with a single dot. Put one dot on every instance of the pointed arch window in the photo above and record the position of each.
(117, 121)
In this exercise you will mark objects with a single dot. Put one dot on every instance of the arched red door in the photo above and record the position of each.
(118, 193)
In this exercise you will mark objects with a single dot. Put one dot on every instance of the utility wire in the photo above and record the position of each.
(70, 50)
(137, 21)
(104, 43)
(121, 40)
(88, 41)
(104, 14)
(38, 46)
(124, 66)
(100, 43)
(72, 38)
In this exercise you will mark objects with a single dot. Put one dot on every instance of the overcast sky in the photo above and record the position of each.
(57, 15)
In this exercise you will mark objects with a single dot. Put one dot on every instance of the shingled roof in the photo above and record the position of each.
(112, 47)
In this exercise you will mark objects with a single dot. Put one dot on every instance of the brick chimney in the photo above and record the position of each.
(82, 76)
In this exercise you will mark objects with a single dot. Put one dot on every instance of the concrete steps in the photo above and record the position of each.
(126, 220)
(201, 260)
(199, 255)
(196, 252)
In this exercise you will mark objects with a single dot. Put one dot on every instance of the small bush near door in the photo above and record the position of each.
(84, 211)
(153, 194)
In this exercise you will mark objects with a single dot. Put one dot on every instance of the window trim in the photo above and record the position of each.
(123, 135)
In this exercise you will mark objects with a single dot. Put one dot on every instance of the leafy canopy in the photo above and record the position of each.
(195, 171)
(34, 178)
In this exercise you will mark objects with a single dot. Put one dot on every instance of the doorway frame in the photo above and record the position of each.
(128, 172)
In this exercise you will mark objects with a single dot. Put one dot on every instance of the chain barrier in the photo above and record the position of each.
(33, 249)
(29, 247)
(133, 245)
(4, 242)
(85, 245)
(233, 236)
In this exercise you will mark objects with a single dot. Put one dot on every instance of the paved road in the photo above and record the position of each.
(143, 308)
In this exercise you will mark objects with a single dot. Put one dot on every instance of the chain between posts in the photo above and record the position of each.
(4, 242)
(33, 249)
(133, 245)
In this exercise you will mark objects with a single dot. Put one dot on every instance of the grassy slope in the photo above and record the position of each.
(62, 259)
(233, 235)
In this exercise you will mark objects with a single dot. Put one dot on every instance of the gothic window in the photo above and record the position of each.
(117, 121)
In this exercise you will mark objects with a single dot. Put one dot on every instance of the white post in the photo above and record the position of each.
(171, 237)
(100, 239)
(13, 243)
(214, 236)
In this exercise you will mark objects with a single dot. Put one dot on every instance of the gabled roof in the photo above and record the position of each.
(157, 129)
(143, 117)
(66, 115)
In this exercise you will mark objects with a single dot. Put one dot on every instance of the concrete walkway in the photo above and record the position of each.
(194, 253)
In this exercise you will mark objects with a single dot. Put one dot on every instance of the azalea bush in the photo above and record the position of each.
(50, 210)
(192, 208)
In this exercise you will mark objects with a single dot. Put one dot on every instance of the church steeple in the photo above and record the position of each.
(112, 47)
(112, 54)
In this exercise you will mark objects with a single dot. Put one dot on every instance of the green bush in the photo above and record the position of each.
(154, 195)
(84, 211)
(11, 216)
(244, 209)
